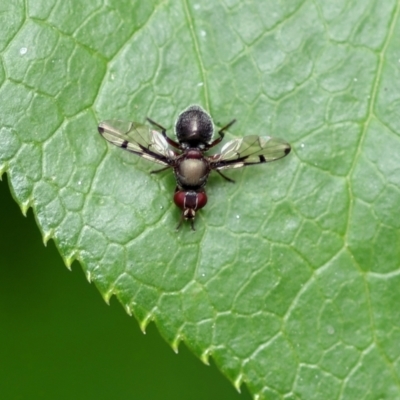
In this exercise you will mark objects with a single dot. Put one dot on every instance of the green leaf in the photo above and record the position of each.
(290, 281)
(58, 340)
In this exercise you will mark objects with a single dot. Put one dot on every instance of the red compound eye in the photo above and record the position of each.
(201, 200)
(179, 199)
(190, 200)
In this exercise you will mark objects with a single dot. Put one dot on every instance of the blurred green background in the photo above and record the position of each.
(59, 339)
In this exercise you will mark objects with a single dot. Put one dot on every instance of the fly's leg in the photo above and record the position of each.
(221, 134)
(164, 133)
(224, 176)
(156, 171)
(163, 130)
(180, 222)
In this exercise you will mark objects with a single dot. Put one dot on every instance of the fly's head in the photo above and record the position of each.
(189, 202)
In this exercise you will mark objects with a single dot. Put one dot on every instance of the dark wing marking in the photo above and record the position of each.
(249, 150)
(138, 139)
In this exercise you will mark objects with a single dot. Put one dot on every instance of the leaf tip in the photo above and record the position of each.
(68, 260)
(25, 207)
(88, 275)
(238, 382)
(107, 295)
(205, 356)
(47, 236)
(175, 344)
(146, 320)
(128, 310)
(3, 169)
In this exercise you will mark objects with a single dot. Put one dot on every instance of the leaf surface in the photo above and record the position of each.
(290, 280)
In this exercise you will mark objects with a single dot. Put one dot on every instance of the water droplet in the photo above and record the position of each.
(23, 51)
(203, 33)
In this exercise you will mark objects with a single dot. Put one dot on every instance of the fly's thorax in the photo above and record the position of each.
(194, 127)
(192, 169)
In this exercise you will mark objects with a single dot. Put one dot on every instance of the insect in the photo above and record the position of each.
(194, 131)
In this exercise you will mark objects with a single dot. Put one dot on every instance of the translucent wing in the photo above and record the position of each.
(249, 150)
(138, 139)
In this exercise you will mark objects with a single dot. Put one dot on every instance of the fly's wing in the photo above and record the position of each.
(138, 139)
(249, 150)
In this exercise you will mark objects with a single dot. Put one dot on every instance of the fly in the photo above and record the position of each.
(194, 130)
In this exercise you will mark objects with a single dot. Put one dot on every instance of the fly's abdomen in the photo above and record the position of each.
(192, 173)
